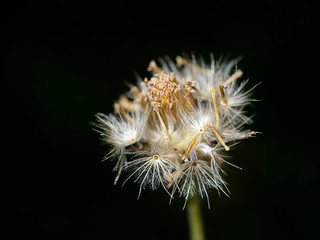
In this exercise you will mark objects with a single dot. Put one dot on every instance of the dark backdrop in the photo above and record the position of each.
(63, 61)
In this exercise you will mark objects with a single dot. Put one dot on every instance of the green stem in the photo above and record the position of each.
(194, 218)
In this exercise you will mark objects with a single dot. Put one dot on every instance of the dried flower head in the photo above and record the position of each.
(172, 131)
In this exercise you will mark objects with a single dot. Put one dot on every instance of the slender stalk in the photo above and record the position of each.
(195, 219)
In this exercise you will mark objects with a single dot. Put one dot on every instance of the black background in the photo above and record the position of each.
(64, 61)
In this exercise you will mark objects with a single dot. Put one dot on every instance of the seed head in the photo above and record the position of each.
(173, 130)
